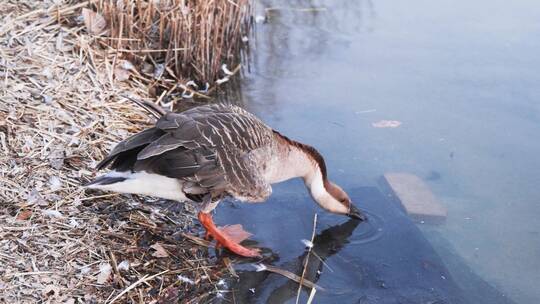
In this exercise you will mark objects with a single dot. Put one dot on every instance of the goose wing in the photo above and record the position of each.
(137, 141)
(209, 147)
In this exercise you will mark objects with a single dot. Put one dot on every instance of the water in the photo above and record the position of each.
(463, 79)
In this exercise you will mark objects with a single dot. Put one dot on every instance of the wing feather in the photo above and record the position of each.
(208, 147)
(138, 140)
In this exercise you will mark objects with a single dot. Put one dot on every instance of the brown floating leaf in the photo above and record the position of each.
(235, 232)
(94, 22)
(386, 124)
(160, 251)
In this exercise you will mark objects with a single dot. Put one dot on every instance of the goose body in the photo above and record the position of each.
(209, 152)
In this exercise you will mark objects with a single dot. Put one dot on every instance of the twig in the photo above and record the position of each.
(311, 295)
(150, 107)
(197, 240)
(140, 281)
(112, 51)
(42, 11)
(307, 258)
(34, 13)
(229, 266)
(307, 283)
(29, 273)
(115, 268)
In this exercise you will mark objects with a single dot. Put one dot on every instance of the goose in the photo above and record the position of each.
(214, 151)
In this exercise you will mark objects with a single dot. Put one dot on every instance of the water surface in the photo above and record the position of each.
(463, 80)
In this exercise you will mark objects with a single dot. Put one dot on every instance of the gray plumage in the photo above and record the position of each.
(212, 149)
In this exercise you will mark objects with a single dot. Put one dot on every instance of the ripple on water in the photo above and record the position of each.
(368, 231)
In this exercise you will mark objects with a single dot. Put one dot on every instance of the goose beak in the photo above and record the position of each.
(355, 213)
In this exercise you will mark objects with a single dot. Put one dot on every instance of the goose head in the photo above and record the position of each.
(339, 196)
(332, 197)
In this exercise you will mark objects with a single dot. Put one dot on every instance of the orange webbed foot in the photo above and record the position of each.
(229, 236)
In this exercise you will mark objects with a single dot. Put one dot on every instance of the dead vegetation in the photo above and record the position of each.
(177, 48)
(60, 112)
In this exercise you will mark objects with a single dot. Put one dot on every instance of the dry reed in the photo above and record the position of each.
(179, 40)
(60, 112)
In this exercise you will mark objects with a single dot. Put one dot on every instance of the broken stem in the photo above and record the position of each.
(307, 258)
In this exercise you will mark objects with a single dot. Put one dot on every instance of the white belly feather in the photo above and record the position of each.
(145, 184)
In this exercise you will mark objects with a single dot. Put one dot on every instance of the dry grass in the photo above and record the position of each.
(184, 42)
(59, 114)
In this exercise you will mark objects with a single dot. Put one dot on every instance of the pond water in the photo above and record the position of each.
(462, 78)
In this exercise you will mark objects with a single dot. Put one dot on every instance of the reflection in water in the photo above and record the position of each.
(327, 243)
(321, 25)
(371, 230)
(294, 33)
(275, 40)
